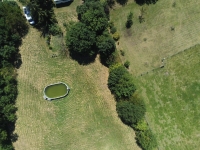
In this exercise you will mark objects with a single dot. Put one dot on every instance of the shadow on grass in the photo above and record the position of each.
(83, 59)
(148, 2)
(122, 2)
(64, 4)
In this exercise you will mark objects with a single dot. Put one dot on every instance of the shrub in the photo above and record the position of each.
(54, 29)
(129, 21)
(130, 112)
(122, 52)
(113, 30)
(120, 82)
(146, 139)
(127, 64)
(116, 36)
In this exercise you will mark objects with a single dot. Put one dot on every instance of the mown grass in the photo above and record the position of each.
(146, 44)
(172, 96)
(84, 120)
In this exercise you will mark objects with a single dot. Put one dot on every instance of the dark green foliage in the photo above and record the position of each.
(105, 44)
(113, 30)
(8, 93)
(54, 29)
(110, 3)
(120, 82)
(129, 21)
(132, 111)
(146, 139)
(127, 64)
(12, 21)
(92, 14)
(12, 27)
(80, 40)
(43, 13)
(106, 48)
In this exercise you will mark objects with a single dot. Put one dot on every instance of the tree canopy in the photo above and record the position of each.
(105, 44)
(92, 14)
(13, 27)
(42, 13)
(130, 112)
(120, 82)
(80, 40)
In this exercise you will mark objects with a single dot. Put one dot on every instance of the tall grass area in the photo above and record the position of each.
(170, 27)
(172, 96)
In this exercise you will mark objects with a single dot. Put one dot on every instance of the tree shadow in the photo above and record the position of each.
(148, 2)
(18, 61)
(122, 2)
(83, 59)
(64, 4)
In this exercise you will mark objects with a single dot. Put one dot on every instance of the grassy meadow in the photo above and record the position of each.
(172, 96)
(84, 120)
(171, 93)
(147, 43)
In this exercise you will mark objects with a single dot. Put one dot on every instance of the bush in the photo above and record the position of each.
(116, 36)
(129, 21)
(120, 82)
(146, 139)
(122, 52)
(140, 126)
(113, 30)
(130, 112)
(127, 64)
(54, 29)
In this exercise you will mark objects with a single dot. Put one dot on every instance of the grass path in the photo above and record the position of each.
(85, 119)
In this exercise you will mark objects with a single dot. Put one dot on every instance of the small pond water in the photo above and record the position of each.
(56, 90)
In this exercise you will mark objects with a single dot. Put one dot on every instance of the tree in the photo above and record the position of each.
(130, 112)
(105, 44)
(93, 16)
(120, 82)
(43, 13)
(129, 21)
(80, 40)
(12, 20)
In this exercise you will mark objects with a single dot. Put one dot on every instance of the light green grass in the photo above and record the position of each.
(172, 96)
(160, 40)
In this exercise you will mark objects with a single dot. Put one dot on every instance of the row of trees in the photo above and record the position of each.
(12, 28)
(90, 35)
(130, 108)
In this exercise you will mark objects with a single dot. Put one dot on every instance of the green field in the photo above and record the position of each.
(172, 96)
(146, 44)
(172, 93)
(86, 119)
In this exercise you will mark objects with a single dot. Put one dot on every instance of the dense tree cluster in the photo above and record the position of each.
(12, 28)
(90, 35)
